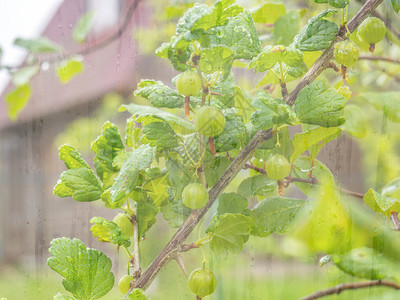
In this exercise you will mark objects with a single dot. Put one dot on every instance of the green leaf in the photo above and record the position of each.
(146, 213)
(68, 69)
(128, 176)
(17, 100)
(271, 55)
(159, 94)
(180, 174)
(232, 136)
(275, 215)
(271, 111)
(396, 5)
(132, 133)
(380, 203)
(356, 123)
(317, 34)
(301, 169)
(39, 45)
(218, 58)
(109, 203)
(80, 184)
(305, 140)
(137, 294)
(157, 189)
(338, 3)
(175, 212)
(160, 135)
(231, 203)
(214, 167)
(258, 185)
(321, 105)
(240, 35)
(86, 272)
(202, 17)
(24, 75)
(392, 106)
(392, 188)
(106, 147)
(108, 231)
(364, 263)
(269, 13)
(83, 27)
(177, 51)
(286, 28)
(389, 102)
(179, 125)
(61, 296)
(243, 104)
(228, 234)
(71, 157)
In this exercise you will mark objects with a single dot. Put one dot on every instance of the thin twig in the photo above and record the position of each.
(351, 193)
(313, 180)
(350, 286)
(379, 58)
(253, 167)
(57, 57)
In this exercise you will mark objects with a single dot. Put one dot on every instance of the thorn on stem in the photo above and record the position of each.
(179, 260)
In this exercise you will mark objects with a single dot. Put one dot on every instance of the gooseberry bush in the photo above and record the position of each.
(178, 155)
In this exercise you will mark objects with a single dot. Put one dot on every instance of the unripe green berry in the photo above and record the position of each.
(372, 30)
(202, 282)
(125, 283)
(188, 83)
(195, 195)
(277, 167)
(346, 53)
(209, 121)
(124, 223)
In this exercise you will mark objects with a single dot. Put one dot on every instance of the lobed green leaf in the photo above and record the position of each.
(275, 215)
(108, 231)
(321, 105)
(86, 272)
(159, 94)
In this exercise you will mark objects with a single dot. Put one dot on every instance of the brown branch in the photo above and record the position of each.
(351, 193)
(313, 180)
(89, 49)
(243, 157)
(253, 167)
(183, 232)
(350, 286)
(379, 58)
(323, 61)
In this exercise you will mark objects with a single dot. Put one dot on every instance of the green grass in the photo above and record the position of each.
(264, 280)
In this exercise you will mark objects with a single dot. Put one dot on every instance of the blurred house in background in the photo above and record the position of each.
(29, 168)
